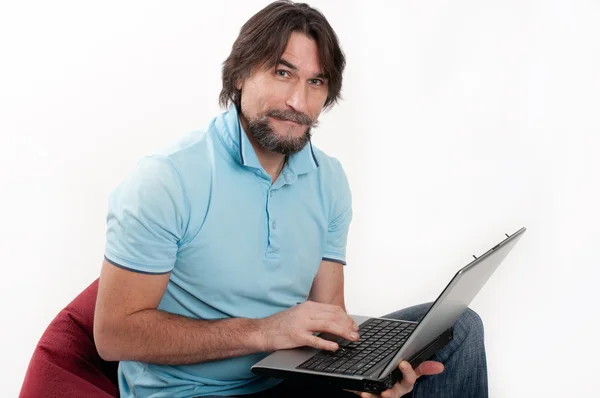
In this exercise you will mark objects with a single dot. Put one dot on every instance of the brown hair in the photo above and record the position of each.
(263, 39)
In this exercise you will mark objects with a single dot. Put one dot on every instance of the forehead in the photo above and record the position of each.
(302, 51)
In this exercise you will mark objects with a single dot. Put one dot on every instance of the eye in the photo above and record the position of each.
(282, 73)
(316, 82)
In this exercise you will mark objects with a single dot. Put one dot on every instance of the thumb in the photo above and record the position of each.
(428, 368)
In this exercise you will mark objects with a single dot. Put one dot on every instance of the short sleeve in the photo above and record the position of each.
(146, 218)
(339, 224)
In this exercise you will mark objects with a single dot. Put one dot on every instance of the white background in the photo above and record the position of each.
(461, 121)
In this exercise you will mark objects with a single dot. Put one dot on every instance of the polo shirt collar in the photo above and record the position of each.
(235, 140)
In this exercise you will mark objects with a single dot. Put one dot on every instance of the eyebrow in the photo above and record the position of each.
(295, 68)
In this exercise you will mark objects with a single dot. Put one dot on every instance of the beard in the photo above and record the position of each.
(268, 138)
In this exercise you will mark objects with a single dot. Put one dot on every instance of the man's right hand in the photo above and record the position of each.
(295, 327)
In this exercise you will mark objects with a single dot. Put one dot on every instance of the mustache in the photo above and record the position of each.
(297, 117)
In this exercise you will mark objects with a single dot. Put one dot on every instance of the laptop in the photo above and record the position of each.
(371, 364)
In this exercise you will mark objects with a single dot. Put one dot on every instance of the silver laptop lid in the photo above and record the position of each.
(454, 300)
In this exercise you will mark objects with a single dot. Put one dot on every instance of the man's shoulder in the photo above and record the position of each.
(333, 178)
(182, 164)
(334, 181)
(189, 150)
(329, 166)
(193, 154)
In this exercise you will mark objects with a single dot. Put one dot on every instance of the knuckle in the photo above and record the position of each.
(411, 379)
(338, 318)
(298, 336)
(308, 340)
(315, 342)
(406, 387)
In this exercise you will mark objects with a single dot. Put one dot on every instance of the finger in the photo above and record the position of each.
(328, 310)
(333, 328)
(395, 392)
(409, 377)
(428, 368)
(340, 318)
(387, 393)
(314, 341)
(336, 309)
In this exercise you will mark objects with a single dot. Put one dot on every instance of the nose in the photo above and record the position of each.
(297, 98)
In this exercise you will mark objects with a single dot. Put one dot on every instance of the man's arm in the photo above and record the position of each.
(328, 285)
(128, 325)
(145, 224)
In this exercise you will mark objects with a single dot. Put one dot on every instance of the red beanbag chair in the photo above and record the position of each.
(65, 362)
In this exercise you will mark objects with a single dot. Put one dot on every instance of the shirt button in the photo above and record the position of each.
(274, 225)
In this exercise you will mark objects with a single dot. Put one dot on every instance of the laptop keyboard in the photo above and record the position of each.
(378, 339)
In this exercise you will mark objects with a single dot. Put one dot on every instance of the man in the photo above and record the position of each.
(232, 243)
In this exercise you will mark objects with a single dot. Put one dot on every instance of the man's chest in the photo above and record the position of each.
(256, 244)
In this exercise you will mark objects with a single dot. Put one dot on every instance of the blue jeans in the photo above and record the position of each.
(464, 359)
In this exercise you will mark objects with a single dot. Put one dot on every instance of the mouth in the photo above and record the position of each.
(287, 122)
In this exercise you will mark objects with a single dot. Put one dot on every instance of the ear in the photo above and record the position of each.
(238, 84)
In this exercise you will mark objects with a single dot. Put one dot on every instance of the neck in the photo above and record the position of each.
(272, 162)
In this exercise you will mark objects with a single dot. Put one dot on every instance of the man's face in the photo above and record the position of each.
(280, 105)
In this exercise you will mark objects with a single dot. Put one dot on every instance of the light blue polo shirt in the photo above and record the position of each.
(236, 244)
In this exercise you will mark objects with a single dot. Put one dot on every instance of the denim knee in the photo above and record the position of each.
(472, 322)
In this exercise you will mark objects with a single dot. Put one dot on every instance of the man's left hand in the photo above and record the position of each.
(409, 377)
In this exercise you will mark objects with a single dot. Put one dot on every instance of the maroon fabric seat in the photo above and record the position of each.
(65, 362)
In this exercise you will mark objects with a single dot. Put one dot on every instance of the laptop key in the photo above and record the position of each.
(378, 340)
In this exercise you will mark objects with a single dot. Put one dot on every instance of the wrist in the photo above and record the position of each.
(258, 340)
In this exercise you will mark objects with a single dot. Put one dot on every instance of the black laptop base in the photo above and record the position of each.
(367, 384)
